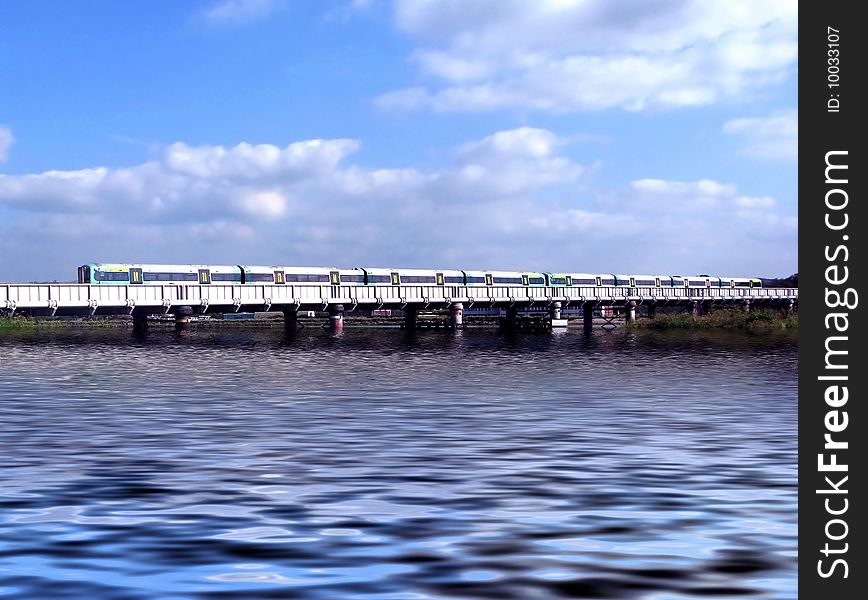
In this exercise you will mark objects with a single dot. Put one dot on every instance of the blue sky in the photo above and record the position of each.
(626, 136)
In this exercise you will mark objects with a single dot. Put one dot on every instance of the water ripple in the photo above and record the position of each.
(380, 465)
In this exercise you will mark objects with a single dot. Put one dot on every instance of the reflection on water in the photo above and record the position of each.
(391, 465)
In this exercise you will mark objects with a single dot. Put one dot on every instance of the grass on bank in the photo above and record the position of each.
(729, 318)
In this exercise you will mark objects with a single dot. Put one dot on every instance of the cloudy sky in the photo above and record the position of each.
(650, 136)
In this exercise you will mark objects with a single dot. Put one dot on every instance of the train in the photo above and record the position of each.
(152, 274)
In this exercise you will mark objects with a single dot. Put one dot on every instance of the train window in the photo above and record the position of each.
(352, 278)
(225, 276)
(584, 281)
(508, 280)
(475, 279)
(557, 280)
(307, 277)
(417, 279)
(112, 276)
(453, 279)
(647, 282)
(378, 279)
(536, 281)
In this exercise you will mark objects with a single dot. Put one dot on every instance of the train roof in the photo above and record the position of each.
(161, 267)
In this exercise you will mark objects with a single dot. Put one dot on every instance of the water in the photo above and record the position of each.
(386, 465)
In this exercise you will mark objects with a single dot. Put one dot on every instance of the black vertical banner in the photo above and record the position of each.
(833, 562)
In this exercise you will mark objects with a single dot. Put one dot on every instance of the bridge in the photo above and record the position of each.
(183, 301)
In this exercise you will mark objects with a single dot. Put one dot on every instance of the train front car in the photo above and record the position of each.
(108, 273)
(149, 274)
(558, 279)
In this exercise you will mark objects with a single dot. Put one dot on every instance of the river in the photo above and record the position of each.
(382, 464)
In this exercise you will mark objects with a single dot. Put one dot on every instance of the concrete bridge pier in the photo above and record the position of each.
(747, 306)
(630, 311)
(183, 314)
(555, 314)
(791, 306)
(697, 308)
(410, 318)
(290, 321)
(588, 316)
(336, 318)
(457, 315)
(510, 322)
(652, 310)
(555, 310)
(140, 323)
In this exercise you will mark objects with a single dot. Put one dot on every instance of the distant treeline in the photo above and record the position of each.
(787, 282)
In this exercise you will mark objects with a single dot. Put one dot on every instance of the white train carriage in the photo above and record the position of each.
(413, 276)
(284, 275)
(151, 274)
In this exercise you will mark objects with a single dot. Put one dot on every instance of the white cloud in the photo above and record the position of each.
(6, 141)
(510, 200)
(775, 137)
(240, 11)
(565, 56)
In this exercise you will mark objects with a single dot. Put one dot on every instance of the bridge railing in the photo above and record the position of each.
(249, 297)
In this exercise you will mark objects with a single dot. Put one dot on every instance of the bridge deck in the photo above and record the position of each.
(77, 299)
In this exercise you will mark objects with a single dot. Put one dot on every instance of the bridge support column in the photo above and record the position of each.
(410, 318)
(697, 308)
(290, 321)
(457, 315)
(555, 310)
(630, 311)
(588, 316)
(747, 306)
(336, 318)
(791, 306)
(510, 322)
(182, 318)
(140, 323)
(555, 313)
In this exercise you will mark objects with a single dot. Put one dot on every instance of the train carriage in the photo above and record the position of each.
(139, 274)
(282, 275)
(585, 280)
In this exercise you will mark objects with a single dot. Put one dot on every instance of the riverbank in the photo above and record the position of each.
(730, 318)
